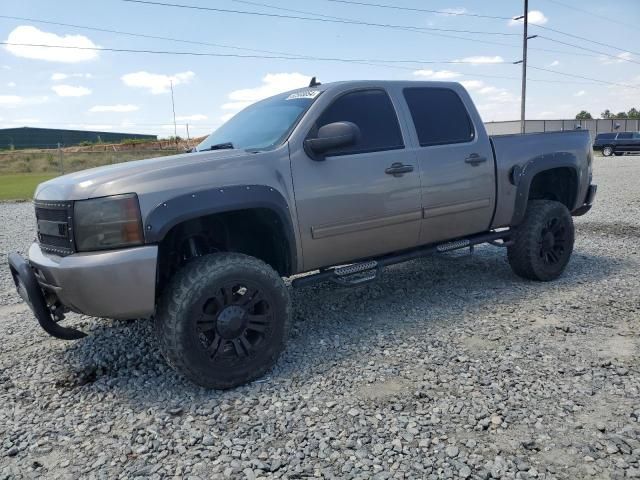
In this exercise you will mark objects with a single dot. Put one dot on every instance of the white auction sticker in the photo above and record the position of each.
(304, 94)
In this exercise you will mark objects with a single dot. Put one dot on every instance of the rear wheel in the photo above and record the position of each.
(543, 243)
(224, 320)
(607, 151)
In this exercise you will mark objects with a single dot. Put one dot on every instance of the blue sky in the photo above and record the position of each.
(129, 92)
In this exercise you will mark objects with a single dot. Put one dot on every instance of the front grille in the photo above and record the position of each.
(55, 226)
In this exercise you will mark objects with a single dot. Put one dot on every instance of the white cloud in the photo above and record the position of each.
(489, 92)
(191, 118)
(481, 60)
(62, 76)
(555, 63)
(453, 11)
(580, 93)
(472, 84)
(10, 100)
(620, 58)
(156, 83)
(71, 91)
(272, 84)
(536, 17)
(90, 126)
(436, 74)
(11, 84)
(32, 35)
(114, 108)
(26, 121)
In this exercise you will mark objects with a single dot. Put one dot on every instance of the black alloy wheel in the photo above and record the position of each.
(542, 244)
(224, 319)
(553, 239)
(234, 320)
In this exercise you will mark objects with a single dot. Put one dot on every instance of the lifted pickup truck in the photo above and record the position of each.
(337, 180)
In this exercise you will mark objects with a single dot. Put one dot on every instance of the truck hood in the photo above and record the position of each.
(138, 176)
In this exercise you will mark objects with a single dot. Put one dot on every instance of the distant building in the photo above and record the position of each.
(27, 137)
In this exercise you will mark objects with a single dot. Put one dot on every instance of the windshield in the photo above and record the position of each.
(264, 124)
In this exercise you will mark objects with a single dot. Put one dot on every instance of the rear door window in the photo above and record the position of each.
(625, 136)
(439, 116)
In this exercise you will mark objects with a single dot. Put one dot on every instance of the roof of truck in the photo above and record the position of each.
(376, 83)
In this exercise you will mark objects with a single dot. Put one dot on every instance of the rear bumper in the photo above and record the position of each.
(113, 284)
(588, 202)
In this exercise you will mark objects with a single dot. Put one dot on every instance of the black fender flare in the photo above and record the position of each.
(530, 170)
(200, 203)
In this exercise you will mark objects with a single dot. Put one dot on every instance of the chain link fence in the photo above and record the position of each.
(595, 126)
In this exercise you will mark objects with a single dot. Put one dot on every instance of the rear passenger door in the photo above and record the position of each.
(456, 164)
(624, 142)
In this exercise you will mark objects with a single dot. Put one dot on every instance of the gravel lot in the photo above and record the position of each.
(450, 367)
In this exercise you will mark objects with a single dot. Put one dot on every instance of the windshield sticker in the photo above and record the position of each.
(304, 94)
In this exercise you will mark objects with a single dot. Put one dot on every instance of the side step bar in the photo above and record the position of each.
(374, 266)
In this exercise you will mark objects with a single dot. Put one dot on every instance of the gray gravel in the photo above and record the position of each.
(450, 367)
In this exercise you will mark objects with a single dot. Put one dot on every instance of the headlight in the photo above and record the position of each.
(108, 222)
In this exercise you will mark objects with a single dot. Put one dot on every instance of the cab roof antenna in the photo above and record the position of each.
(314, 82)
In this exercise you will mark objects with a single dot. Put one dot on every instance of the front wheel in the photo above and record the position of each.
(223, 320)
(607, 151)
(543, 242)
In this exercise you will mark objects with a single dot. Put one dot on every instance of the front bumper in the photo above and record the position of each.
(116, 284)
(588, 202)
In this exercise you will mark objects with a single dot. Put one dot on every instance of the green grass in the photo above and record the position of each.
(21, 186)
(48, 161)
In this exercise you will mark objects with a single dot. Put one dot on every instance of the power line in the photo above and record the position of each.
(234, 47)
(232, 55)
(237, 55)
(343, 20)
(222, 45)
(465, 14)
(584, 38)
(317, 18)
(617, 57)
(140, 35)
(424, 10)
(573, 7)
(328, 19)
(573, 75)
(171, 39)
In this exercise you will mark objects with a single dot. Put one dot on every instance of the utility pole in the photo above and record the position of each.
(525, 39)
(173, 107)
(523, 98)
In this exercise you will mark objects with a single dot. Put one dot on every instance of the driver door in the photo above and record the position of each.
(351, 205)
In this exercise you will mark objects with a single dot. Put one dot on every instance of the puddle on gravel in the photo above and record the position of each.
(382, 390)
(617, 229)
(73, 380)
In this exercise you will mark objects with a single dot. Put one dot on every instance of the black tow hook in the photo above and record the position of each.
(30, 291)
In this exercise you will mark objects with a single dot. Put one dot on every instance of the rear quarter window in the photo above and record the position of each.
(605, 136)
(439, 116)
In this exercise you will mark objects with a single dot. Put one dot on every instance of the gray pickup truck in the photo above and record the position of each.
(336, 181)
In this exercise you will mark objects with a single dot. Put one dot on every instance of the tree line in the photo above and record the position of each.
(634, 113)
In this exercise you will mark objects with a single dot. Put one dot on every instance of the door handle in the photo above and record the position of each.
(397, 169)
(474, 159)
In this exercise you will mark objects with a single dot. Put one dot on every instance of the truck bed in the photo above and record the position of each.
(529, 149)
